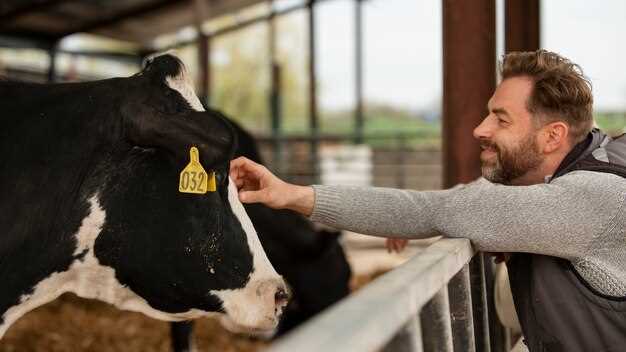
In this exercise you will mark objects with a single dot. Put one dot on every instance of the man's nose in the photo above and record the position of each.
(482, 131)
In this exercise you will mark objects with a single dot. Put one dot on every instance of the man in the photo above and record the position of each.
(547, 196)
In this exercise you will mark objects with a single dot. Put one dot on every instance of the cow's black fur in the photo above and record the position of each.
(125, 139)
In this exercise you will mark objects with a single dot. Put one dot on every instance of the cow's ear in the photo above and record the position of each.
(177, 133)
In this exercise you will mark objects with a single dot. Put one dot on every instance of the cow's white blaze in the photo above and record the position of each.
(87, 278)
(183, 84)
(262, 266)
(253, 307)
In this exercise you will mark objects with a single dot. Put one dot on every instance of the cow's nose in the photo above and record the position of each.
(281, 297)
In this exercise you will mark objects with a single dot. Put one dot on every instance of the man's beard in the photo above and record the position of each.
(512, 163)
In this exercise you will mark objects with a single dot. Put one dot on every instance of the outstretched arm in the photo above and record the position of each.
(561, 219)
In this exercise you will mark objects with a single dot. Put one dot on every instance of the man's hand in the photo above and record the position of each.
(256, 184)
(396, 244)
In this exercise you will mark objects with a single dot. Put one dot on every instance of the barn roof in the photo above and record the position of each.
(136, 21)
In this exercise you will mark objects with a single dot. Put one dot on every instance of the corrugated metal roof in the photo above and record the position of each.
(138, 21)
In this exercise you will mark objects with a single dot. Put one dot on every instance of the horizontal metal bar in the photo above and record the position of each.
(240, 25)
(340, 137)
(23, 42)
(368, 319)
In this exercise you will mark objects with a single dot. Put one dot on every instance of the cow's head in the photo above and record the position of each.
(183, 255)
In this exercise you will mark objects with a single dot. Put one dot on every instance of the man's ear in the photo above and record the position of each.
(177, 133)
(555, 136)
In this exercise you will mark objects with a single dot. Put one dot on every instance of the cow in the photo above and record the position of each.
(311, 260)
(91, 204)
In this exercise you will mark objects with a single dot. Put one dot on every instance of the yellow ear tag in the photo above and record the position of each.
(193, 178)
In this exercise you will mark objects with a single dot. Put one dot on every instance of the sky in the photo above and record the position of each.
(592, 34)
(402, 49)
(402, 52)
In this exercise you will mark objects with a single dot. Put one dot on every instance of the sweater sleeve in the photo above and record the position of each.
(561, 218)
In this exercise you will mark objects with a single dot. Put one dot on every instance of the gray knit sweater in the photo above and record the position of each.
(579, 216)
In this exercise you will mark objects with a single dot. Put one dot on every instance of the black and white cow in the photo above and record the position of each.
(311, 260)
(90, 203)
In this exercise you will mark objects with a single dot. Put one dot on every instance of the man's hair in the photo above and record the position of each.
(560, 92)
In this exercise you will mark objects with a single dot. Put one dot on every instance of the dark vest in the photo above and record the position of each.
(557, 308)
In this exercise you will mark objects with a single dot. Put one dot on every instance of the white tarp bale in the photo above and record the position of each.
(346, 165)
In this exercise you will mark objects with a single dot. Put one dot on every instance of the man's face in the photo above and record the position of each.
(507, 135)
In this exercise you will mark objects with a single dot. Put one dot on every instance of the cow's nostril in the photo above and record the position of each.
(281, 296)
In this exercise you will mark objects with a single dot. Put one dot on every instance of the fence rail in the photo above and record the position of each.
(426, 304)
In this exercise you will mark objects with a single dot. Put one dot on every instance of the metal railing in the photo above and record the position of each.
(437, 301)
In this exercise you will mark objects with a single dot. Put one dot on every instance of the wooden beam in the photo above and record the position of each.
(7, 14)
(522, 25)
(136, 11)
(469, 79)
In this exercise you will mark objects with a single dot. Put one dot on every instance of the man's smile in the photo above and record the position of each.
(488, 150)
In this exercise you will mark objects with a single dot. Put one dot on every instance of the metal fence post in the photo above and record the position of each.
(459, 291)
(479, 304)
(435, 321)
(313, 111)
(52, 66)
(496, 330)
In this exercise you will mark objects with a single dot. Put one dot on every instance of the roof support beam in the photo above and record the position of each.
(7, 15)
(313, 112)
(246, 23)
(124, 15)
(359, 120)
(522, 25)
(37, 38)
(25, 42)
(204, 64)
(52, 66)
(275, 94)
(469, 79)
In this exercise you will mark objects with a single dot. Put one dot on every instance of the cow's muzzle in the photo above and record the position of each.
(255, 309)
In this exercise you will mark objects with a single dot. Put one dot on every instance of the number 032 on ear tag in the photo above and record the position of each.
(193, 178)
